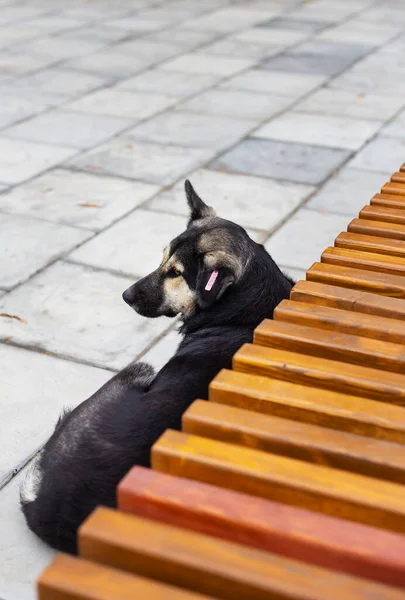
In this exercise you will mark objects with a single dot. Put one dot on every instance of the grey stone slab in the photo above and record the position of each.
(192, 129)
(69, 128)
(122, 103)
(59, 82)
(76, 312)
(97, 32)
(357, 31)
(115, 249)
(348, 191)
(254, 202)
(204, 64)
(109, 63)
(321, 130)
(396, 128)
(301, 241)
(149, 162)
(296, 24)
(17, 106)
(295, 274)
(14, 34)
(29, 406)
(52, 24)
(76, 199)
(282, 38)
(292, 85)
(301, 163)
(381, 154)
(237, 103)
(27, 245)
(21, 160)
(321, 47)
(238, 48)
(136, 24)
(163, 350)
(175, 83)
(187, 38)
(229, 19)
(20, 64)
(364, 82)
(55, 48)
(151, 51)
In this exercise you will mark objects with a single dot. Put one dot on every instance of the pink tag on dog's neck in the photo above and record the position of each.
(211, 281)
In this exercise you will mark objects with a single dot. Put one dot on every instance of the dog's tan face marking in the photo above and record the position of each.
(176, 293)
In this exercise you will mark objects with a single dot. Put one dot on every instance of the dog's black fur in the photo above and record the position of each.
(95, 445)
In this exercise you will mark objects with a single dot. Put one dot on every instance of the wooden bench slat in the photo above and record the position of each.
(310, 443)
(211, 566)
(398, 177)
(382, 213)
(393, 231)
(370, 243)
(348, 299)
(358, 279)
(321, 373)
(402, 169)
(334, 345)
(293, 532)
(70, 578)
(369, 261)
(388, 200)
(344, 321)
(281, 479)
(393, 188)
(326, 408)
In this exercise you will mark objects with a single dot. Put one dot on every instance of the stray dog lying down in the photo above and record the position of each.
(223, 284)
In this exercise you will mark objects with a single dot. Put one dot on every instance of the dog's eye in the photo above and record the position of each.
(173, 272)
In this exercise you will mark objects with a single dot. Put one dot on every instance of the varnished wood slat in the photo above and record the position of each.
(398, 177)
(383, 214)
(344, 321)
(393, 188)
(388, 200)
(326, 408)
(369, 243)
(393, 231)
(293, 532)
(402, 169)
(322, 373)
(348, 299)
(211, 566)
(370, 261)
(310, 443)
(335, 345)
(70, 578)
(359, 279)
(329, 491)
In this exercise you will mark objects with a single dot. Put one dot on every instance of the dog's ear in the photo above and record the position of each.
(198, 208)
(212, 282)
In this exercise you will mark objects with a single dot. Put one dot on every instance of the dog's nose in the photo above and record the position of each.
(127, 296)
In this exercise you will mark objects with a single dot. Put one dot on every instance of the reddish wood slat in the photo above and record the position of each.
(369, 243)
(348, 299)
(393, 188)
(293, 532)
(398, 177)
(402, 169)
(382, 213)
(393, 231)
(369, 261)
(388, 200)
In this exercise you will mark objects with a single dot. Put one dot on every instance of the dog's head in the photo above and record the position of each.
(197, 268)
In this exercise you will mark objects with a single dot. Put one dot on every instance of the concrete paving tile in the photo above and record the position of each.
(249, 201)
(58, 48)
(135, 24)
(75, 312)
(229, 19)
(15, 107)
(301, 241)
(75, 198)
(15, 34)
(270, 37)
(385, 13)
(357, 31)
(187, 38)
(237, 103)
(13, 14)
(109, 63)
(192, 129)
(237, 48)
(204, 64)
(97, 32)
(122, 103)
(28, 245)
(152, 52)
(292, 85)
(59, 82)
(379, 82)
(295, 274)
(381, 154)
(114, 249)
(21, 64)
(163, 350)
(344, 103)
(33, 403)
(69, 128)
(396, 128)
(23, 556)
(175, 83)
(322, 130)
(348, 191)
(300, 163)
(304, 25)
(22, 160)
(155, 163)
(52, 24)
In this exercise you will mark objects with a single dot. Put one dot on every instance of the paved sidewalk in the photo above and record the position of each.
(285, 114)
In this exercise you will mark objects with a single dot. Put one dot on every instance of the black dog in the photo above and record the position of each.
(223, 284)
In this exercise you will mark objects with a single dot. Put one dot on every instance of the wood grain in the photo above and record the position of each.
(358, 279)
(369, 261)
(383, 214)
(310, 443)
(393, 188)
(393, 231)
(332, 344)
(70, 578)
(369, 243)
(293, 532)
(344, 321)
(388, 200)
(321, 373)
(348, 299)
(281, 479)
(398, 177)
(326, 408)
